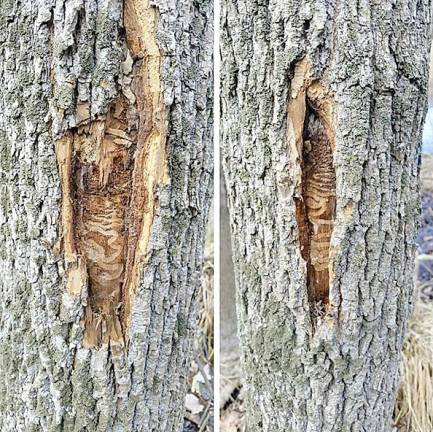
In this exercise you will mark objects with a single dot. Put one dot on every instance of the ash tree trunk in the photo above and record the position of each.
(105, 168)
(322, 109)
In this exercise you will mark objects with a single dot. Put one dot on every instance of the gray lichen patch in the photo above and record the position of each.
(87, 50)
(50, 381)
(340, 374)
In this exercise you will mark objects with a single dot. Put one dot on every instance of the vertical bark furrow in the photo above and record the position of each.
(50, 379)
(338, 372)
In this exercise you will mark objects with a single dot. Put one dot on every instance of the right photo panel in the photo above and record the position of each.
(326, 215)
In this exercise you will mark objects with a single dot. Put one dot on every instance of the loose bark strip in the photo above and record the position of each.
(105, 185)
(112, 167)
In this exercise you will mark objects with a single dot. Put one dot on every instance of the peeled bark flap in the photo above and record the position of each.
(111, 168)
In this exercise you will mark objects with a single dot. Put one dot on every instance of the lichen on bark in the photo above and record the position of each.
(116, 162)
(336, 369)
(68, 71)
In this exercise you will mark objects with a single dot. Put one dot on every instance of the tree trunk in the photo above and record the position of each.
(323, 104)
(105, 167)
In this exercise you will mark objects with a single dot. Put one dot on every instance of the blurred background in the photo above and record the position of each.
(199, 413)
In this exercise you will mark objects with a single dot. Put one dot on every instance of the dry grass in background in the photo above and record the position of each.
(414, 406)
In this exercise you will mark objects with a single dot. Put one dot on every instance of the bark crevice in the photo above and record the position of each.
(313, 139)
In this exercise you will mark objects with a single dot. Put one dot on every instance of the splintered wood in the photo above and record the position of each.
(312, 140)
(110, 170)
(102, 184)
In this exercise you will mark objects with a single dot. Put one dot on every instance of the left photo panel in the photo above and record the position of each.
(106, 256)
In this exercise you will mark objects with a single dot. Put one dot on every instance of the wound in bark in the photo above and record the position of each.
(318, 194)
(111, 169)
(102, 185)
(312, 139)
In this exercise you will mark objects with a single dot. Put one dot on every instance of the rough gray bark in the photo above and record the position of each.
(427, 138)
(328, 365)
(62, 64)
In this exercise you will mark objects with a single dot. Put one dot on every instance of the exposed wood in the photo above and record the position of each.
(334, 368)
(87, 123)
(119, 161)
(312, 140)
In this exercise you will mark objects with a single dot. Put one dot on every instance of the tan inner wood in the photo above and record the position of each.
(111, 169)
(312, 140)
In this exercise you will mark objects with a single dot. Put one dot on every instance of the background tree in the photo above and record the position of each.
(230, 368)
(322, 110)
(105, 167)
